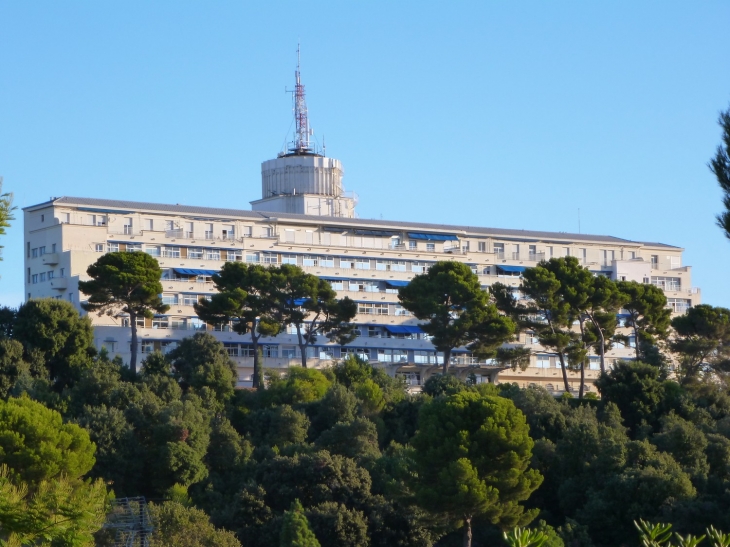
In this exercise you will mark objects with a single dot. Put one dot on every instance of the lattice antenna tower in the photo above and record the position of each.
(302, 132)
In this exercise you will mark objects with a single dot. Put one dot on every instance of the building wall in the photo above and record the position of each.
(360, 257)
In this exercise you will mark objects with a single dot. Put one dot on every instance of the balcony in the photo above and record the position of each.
(50, 259)
(59, 283)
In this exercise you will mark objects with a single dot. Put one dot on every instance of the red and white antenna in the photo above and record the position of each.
(302, 132)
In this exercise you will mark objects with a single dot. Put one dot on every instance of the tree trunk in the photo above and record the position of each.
(561, 357)
(447, 358)
(302, 346)
(133, 358)
(636, 341)
(467, 532)
(602, 347)
(256, 364)
(582, 379)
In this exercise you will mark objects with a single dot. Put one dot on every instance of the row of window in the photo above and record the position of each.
(39, 251)
(43, 276)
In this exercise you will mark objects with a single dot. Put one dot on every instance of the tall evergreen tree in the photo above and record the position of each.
(720, 166)
(295, 530)
(449, 297)
(246, 297)
(127, 283)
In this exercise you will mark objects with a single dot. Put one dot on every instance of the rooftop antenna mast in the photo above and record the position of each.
(302, 132)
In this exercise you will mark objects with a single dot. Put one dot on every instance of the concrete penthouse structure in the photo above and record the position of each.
(305, 217)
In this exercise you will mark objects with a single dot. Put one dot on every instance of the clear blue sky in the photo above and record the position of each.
(502, 114)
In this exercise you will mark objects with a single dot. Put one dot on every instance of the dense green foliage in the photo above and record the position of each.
(346, 456)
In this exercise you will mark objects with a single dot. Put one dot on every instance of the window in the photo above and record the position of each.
(190, 299)
(252, 258)
(42, 276)
(418, 267)
(99, 247)
(337, 285)
(424, 357)
(161, 322)
(209, 231)
(128, 225)
(482, 246)
(34, 277)
(189, 230)
(270, 351)
(43, 218)
(543, 361)
(400, 310)
(289, 259)
(498, 249)
(368, 308)
(41, 251)
(309, 260)
(431, 247)
(112, 247)
(267, 231)
(362, 264)
(228, 231)
(53, 248)
(327, 262)
(632, 255)
(566, 251)
(50, 275)
(170, 300)
(346, 263)
(62, 272)
(549, 252)
(34, 253)
(152, 250)
(171, 252)
(412, 245)
(532, 251)
(234, 255)
(232, 349)
(246, 231)
(149, 224)
(132, 247)
(594, 362)
(288, 352)
(654, 261)
(289, 236)
(147, 346)
(65, 218)
(195, 252)
(362, 353)
(212, 254)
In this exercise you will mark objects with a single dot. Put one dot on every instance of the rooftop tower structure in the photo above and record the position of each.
(302, 180)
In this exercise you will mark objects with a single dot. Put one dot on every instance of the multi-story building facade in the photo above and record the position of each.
(366, 260)
(305, 217)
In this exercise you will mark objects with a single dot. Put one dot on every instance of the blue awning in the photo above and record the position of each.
(511, 269)
(397, 283)
(403, 329)
(189, 271)
(433, 237)
(374, 233)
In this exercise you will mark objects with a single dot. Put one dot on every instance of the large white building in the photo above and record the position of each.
(305, 217)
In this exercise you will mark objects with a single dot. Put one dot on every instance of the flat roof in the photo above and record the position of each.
(198, 211)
